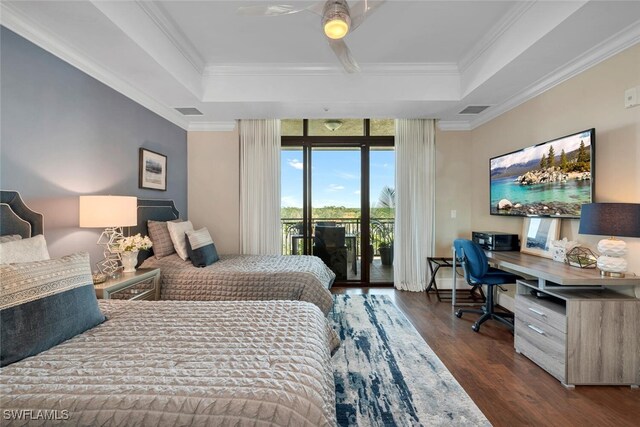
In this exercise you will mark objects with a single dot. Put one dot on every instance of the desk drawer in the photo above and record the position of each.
(549, 313)
(544, 345)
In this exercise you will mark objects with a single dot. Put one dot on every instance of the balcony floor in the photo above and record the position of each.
(379, 273)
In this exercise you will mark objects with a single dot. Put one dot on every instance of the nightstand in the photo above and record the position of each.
(144, 284)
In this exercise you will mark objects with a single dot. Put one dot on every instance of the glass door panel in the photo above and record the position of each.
(382, 213)
(292, 200)
(336, 209)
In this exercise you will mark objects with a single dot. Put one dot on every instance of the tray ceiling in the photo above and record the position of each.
(418, 58)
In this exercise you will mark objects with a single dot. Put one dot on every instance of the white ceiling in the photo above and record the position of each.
(418, 58)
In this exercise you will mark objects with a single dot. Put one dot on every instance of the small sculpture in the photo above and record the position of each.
(560, 248)
(581, 257)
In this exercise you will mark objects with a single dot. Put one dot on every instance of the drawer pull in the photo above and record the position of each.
(538, 312)
(536, 329)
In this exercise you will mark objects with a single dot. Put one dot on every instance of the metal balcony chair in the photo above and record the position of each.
(329, 245)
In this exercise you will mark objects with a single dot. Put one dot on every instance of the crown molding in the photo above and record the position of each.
(310, 69)
(17, 22)
(220, 126)
(489, 38)
(624, 39)
(169, 28)
(453, 125)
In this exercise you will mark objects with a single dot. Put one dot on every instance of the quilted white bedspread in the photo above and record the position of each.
(247, 277)
(179, 363)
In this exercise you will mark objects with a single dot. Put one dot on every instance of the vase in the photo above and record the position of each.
(129, 260)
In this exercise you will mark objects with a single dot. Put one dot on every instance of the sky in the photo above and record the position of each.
(569, 144)
(335, 176)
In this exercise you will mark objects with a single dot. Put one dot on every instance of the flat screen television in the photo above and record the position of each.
(552, 179)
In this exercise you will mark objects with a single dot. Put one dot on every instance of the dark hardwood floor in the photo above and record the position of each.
(507, 387)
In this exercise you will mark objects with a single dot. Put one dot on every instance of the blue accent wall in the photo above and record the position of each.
(64, 134)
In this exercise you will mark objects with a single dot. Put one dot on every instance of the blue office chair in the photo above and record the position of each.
(477, 272)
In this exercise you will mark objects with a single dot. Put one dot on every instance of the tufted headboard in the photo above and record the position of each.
(155, 210)
(17, 218)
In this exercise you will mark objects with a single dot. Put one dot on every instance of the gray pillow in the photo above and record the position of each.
(44, 303)
(159, 235)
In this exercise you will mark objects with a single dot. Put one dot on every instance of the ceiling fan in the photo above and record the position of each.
(338, 20)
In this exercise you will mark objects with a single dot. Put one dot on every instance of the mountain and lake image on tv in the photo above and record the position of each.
(550, 179)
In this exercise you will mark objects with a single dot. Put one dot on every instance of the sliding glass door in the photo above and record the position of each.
(382, 207)
(336, 184)
(332, 207)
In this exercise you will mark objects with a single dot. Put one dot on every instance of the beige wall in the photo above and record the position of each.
(453, 177)
(595, 98)
(591, 99)
(214, 186)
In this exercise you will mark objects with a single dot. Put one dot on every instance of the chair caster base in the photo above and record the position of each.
(458, 314)
(475, 327)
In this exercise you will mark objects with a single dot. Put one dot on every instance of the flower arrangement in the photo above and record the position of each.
(134, 243)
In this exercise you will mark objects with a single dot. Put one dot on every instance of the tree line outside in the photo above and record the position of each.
(336, 212)
(384, 209)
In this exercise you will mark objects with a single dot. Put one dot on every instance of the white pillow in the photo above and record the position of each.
(177, 232)
(24, 250)
(10, 238)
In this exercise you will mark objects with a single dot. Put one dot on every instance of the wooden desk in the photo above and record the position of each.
(553, 273)
(549, 273)
(569, 324)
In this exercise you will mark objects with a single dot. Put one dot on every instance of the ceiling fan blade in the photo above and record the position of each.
(343, 53)
(362, 10)
(272, 10)
(317, 8)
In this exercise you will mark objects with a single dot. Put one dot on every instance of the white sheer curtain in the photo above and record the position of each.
(260, 187)
(414, 223)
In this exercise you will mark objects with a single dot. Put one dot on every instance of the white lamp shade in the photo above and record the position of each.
(108, 211)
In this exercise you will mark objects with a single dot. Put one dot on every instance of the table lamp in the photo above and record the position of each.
(111, 213)
(615, 220)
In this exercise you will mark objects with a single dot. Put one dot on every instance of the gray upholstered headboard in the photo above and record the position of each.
(17, 218)
(155, 210)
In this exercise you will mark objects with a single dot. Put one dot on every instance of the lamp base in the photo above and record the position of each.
(611, 274)
(110, 264)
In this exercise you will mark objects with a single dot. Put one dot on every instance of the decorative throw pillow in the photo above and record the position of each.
(200, 248)
(159, 235)
(44, 303)
(177, 231)
(10, 238)
(24, 250)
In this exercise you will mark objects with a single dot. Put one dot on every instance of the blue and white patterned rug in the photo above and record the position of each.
(387, 375)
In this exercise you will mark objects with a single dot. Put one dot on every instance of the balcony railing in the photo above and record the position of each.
(381, 232)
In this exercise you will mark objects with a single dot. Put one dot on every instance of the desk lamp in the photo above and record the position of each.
(615, 220)
(111, 213)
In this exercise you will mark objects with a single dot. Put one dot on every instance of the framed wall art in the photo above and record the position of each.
(152, 170)
(537, 234)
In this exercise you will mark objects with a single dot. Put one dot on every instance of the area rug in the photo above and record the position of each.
(387, 375)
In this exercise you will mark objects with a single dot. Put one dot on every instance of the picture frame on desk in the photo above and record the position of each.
(537, 234)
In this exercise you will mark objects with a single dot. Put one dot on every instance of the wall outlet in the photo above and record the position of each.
(454, 213)
(631, 97)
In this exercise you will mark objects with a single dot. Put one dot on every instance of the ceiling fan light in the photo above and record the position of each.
(336, 28)
(333, 124)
